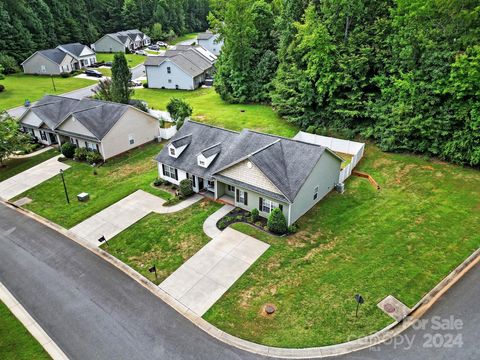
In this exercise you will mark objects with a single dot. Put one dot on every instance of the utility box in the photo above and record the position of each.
(83, 197)
(340, 187)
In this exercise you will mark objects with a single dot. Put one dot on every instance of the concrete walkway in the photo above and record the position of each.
(30, 178)
(124, 213)
(32, 154)
(30, 324)
(207, 275)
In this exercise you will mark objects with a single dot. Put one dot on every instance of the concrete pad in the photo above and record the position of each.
(208, 274)
(394, 308)
(23, 201)
(30, 178)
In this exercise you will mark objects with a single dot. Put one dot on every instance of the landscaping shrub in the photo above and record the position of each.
(94, 157)
(292, 229)
(276, 222)
(81, 154)
(2, 87)
(311, 129)
(254, 215)
(145, 85)
(64, 75)
(159, 182)
(9, 64)
(186, 187)
(68, 150)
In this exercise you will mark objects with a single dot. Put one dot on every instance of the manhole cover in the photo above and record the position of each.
(389, 308)
(270, 309)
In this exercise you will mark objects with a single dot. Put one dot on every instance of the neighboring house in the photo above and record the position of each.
(210, 41)
(102, 126)
(63, 59)
(250, 169)
(178, 69)
(122, 41)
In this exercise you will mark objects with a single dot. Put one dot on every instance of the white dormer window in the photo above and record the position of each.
(201, 162)
(172, 151)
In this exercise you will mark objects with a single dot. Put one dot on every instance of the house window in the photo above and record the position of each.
(33, 132)
(43, 135)
(172, 151)
(170, 171)
(169, 70)
(169, 81)
(201, 162)
(176, 87)
(267, 206)
(131, 140)
(315, 193)
(242, 197)
(192, 177)
(231, 188)
(211, 184)
(43, 68)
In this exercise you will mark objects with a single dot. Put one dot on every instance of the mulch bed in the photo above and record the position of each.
(240, 215)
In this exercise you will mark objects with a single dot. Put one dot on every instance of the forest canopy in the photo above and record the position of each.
(405, 73)
(31, 25)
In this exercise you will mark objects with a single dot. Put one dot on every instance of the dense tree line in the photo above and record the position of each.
(30, 25)
(403, 72)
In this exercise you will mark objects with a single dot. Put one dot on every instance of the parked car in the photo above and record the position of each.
(154, 47)
(141, 52)
(161, 43)
(93, 73)
(108, 63)
(135, 83)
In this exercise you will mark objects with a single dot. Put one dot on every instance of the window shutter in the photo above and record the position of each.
(176, 174)
(163, 170)
(193, 181)
(245, 198)
(280, 206)
(238, 195)
(260, 204)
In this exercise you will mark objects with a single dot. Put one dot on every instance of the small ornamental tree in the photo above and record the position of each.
(103, 91)
(276, 222)
(68, 150)
(12, 139)
(179, 110)
(186, 187)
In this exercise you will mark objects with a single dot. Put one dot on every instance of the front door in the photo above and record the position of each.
(53, 138)
(200, 184)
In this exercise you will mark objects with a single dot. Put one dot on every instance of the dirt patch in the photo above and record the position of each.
(400, 174)
(322, 247)
(245, 297)
(428, 167)
(129, 169)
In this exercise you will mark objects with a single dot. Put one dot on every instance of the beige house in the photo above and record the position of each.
(102, 126)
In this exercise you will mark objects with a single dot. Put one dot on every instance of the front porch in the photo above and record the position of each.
(215, 190)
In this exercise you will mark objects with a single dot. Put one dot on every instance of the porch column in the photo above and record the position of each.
(215, 190)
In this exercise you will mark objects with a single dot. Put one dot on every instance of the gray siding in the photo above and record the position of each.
(108, 45)
(325, 176)
(39, 64)
(158, 77)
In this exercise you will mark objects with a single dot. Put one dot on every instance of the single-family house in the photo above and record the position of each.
(63, 59)
(249, 169)
(107, 127)
(122, 41)
(210, 41)
(178, 69)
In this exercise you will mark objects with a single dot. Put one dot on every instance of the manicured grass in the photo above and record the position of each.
(16, 343)
(17, 165)
(163, 240)
(189, 36)
(105, 71)
(19, 87)
(116, 179)
(209, 108)
(401, 240)
(132, 59)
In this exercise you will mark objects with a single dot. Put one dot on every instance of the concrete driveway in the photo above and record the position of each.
(208, 274)
(124, 213)
(30, 178)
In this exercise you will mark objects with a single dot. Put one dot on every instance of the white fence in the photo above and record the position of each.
(167, 133)
(338, 145)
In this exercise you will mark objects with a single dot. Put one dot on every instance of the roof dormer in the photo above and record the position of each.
(206, 156)
(177, 146)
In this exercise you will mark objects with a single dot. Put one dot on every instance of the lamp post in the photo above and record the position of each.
(53, 83)
(103, 240)
(359, 299)
(64, 186)
(154, 269)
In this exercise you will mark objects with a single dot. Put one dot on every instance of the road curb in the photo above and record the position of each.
(377, 338)
(30, 324)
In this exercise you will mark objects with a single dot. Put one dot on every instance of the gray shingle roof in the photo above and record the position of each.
(285, 162)
(192, 56)
(56, 55)
(182, 141)
(96, 115)
(212, 150)
(74, 48)
(204, 36)
(180, 60)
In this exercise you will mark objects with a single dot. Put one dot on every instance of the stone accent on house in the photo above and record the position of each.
(247, 172)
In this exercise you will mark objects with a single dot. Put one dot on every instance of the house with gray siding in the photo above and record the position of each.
(63, 59)
(122, 41)
(250, 170)
(182, 68)
(210, 41)
(106, 127)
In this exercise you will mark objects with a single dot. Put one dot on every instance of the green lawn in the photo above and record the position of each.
(208, 107)
(189, 36)
(19, 87)
(401, 240)
(132, 59)
(116, 179)
(17, 165)
(163, 240)
(16, 343)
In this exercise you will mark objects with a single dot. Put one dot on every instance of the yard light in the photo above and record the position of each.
(64, 186)
(53, 83)
(154, 269)
(359, 299)
(103, 240)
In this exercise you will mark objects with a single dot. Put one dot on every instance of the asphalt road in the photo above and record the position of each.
(94, 311)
